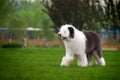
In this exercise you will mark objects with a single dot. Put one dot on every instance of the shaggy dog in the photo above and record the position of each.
(84, 45)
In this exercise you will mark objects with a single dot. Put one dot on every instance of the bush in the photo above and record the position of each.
(0, 45)
(11, 45)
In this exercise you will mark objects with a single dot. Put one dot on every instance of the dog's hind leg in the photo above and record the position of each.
(89, 59)
(99, 59)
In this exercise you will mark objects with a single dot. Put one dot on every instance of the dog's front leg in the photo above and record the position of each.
(82, 60)
(66, 60)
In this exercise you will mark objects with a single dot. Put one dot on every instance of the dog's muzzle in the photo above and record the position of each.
(61, 37)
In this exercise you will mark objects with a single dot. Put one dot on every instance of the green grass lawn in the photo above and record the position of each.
(44, 64)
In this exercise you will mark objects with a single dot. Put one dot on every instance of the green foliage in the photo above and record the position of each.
(11, 45)
(113, 14)
(44, 64)
(5, 8)
(28, 14)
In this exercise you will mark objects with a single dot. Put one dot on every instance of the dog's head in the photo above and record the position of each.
(66, 32)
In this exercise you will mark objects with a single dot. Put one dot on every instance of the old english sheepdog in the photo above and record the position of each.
(81, 44)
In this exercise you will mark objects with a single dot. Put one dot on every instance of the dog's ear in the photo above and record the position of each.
(71, 30)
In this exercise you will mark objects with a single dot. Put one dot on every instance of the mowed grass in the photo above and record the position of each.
(44, 64)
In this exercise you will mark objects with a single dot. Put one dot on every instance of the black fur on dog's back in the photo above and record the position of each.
(93, 43)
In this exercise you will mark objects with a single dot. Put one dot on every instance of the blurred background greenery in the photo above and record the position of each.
(37, 21)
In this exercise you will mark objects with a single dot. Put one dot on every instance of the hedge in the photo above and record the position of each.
(11, 45)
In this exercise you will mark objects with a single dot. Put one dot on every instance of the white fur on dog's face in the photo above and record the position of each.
(64, 32)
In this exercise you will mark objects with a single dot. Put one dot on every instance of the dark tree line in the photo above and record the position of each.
(113, 15)
(84, 14)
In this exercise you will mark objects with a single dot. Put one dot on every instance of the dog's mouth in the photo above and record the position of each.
(61, 37)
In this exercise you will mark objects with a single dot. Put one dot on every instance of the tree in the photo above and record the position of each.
(5, 8)
(84, 14)
(113, 15)
(79, 13)
(27, 14)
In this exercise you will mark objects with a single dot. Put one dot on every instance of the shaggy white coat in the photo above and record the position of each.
(76, 47)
